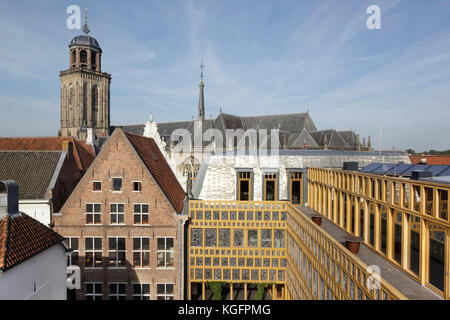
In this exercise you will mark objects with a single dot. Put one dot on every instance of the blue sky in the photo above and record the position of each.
(262, 57)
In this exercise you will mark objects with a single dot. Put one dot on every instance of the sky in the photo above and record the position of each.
(261, 57)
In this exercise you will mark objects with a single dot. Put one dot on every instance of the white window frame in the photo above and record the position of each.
(93, 213)
(93, 251)
(94, 293)
(117, 266)
(112, 185)
(77, 251)
(101, 186)
(141, 295)
(165, 251)
(165, 295)
(117, 295)
(141, 214)
(140, 184)
(141, 251)
(117, 214)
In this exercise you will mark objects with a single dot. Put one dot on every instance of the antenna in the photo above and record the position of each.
(380, 140)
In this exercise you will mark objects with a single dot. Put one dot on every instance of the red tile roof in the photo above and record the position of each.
(155, 162)
(84, 154)
(22, 237)
(436, 160)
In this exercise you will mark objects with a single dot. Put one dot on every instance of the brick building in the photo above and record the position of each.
(125, 223)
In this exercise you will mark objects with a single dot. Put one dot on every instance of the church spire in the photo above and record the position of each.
(201, 102)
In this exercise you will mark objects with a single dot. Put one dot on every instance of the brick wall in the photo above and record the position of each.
(119, 159)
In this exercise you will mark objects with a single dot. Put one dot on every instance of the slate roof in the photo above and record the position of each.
(299, 128)
(84, 154)
(149, 152)
(22, 237)
(32, 170)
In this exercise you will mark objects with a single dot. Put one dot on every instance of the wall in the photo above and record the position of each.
(45, 271)
(220, 179)
(38, 209)
(119, 159)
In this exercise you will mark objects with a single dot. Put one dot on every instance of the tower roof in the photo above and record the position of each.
(85, 40)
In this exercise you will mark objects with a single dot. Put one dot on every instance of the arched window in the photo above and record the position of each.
(71, 96)
(74, 57)
(83, 56)
(94, 105)
(191, 168)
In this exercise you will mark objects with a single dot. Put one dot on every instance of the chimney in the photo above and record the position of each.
(68, 147)
(9, 198)
(90, 139)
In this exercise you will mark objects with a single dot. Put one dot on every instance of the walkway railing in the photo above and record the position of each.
(319, 267)
(405, 221)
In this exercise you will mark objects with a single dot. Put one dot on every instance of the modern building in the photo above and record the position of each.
(32, 256)
(261, 176)
(125, 223)
(361, 236)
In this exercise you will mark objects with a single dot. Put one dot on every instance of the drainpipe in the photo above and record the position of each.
(181, 281)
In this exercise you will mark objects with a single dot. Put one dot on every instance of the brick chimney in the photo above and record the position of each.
(68, 147)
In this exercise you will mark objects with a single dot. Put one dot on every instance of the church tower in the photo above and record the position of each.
(85, 90)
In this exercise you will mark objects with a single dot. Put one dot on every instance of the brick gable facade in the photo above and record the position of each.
(119, 159)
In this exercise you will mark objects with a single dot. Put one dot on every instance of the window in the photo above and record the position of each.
(141, 252)
(117, 291)
(296, 188)
(140, 213)
(165, 291)
(270, 187)
(94, 105)
(93, 291)
(73, 243)
(252, 238)
(137, 186)
(141, 291)
(165, 252)
(117, 252)
(93, 213)
(93, 250)
(97, 186)
(117, 213)
(117, 184)
(244, 186)
(83, 56)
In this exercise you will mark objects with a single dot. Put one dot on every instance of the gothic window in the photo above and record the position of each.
(71, 96)
(94, 104)
(191, 169)
(83, 56)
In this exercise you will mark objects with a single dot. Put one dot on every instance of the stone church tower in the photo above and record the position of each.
(85, 90)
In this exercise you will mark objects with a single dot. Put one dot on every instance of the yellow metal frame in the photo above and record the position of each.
(271, 177)
(243, 251)
(386, 196)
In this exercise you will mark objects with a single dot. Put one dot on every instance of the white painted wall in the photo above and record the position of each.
(37, 209)
(220, 178)
(45, 271)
